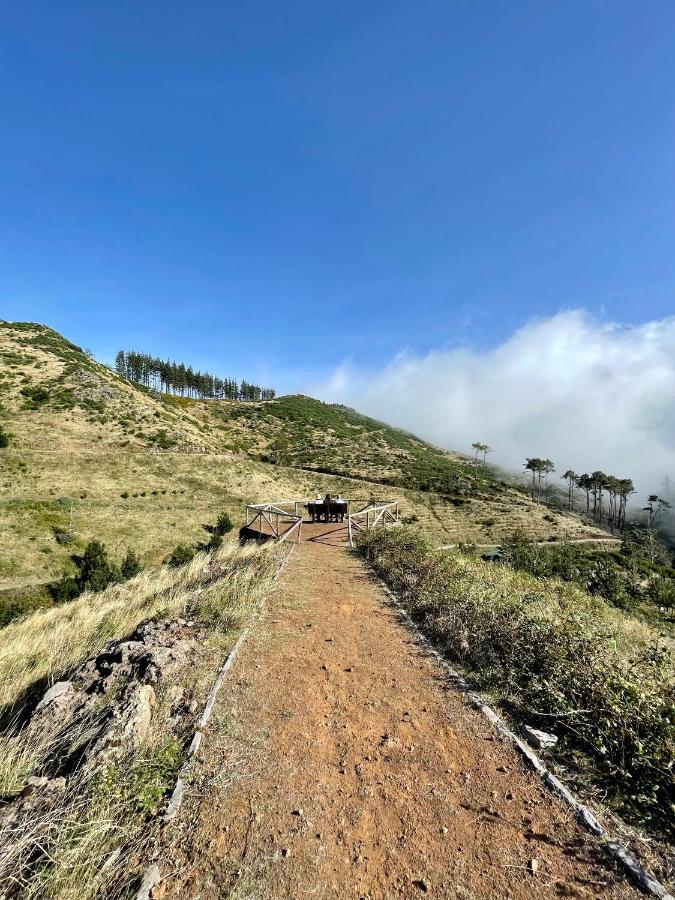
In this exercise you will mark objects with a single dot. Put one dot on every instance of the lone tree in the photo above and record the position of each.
(572, 480)
(655, 505)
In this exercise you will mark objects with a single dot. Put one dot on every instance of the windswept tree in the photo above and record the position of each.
(584, 482)
(625, 490)
(479, 447)
(597, 485)
(546, 469)
(541, 469)
(655, 506)
(571, 477)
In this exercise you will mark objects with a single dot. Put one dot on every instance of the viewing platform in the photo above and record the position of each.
(301, 520)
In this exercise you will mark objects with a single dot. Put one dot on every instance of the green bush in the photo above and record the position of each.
(214, 542)
(557, 657)
(95, 573)
(65, 589)
(130, 566)
(223, 524)
(162, 439)
(35, 394)
(4, 438)
(180, 556)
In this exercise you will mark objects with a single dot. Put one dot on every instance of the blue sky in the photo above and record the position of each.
(265, 189)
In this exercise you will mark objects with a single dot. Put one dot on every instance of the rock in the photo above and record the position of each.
(42, 784)
(534, 865)
(55, 691)
(297, 812)
(421, 885)
(539, 739)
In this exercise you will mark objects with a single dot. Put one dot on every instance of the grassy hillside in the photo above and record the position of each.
(92, 455)
(557, 658)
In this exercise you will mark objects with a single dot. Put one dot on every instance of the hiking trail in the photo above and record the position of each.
(341, 763)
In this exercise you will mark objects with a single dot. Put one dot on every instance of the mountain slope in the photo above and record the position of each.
(92, 455)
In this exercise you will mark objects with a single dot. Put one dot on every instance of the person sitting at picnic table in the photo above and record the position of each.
(339, 508)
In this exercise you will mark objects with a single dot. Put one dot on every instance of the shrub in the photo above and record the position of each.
(181, 556)
(163, 439)
(223, 524)
(130, 566)
(4, 438)
(35, 394)
(214, 542)
(558, 658)
(64, 590)
(95, 573)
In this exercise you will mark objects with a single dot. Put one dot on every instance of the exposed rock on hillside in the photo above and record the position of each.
(108, 707)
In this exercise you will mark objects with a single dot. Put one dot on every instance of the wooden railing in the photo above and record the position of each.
(376, 513)
(282, 523)
(276, 518)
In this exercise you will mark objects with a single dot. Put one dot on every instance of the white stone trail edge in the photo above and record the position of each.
(153, 875)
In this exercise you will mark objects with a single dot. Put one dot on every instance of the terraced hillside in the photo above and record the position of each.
(92, 455)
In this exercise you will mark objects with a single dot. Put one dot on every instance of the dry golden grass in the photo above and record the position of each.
(49, 642)
(94, 840)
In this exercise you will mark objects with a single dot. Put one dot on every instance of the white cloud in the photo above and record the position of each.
(586, 394)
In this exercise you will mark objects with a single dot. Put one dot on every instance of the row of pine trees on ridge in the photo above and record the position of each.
(177, 379)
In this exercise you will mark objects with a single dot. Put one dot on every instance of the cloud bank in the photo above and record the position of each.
(587, 394)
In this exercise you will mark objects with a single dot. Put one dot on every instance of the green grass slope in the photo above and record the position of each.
(94, 456)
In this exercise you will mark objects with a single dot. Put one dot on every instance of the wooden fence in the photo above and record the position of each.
(379, 512)
(282, 524)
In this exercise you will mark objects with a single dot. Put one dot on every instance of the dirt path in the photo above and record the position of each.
(340, 764)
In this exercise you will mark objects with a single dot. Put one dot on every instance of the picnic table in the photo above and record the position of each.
(318, 512)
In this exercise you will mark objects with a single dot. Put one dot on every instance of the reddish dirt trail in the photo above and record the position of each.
(341, 764)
